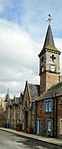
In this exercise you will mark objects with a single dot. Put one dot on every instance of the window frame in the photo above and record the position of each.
(47, 127)
(48, 103)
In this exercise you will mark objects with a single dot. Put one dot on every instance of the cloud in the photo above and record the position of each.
(34, 18)
(32, 15)
(16, 46)
(22, 32)
(18, 58)
(58, 43)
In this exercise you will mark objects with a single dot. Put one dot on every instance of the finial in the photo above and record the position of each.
(49, 18)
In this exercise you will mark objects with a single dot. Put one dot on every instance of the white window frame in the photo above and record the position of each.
(46, 106)
(49, 125)
(49, 105)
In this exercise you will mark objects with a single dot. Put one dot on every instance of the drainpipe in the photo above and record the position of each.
(56, 113)
(53, 117)
(35, 116)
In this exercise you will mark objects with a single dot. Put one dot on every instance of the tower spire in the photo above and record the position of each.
(49, 40)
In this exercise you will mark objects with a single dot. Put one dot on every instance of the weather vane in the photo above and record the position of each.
(49, 18)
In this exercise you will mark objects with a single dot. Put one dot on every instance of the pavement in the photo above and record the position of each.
(34, 136)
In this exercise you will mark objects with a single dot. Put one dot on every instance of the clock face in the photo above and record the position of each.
(52, 68)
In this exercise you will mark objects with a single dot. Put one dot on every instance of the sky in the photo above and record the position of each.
(23, 26)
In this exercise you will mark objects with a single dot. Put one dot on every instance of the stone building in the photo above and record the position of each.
(39, 109)
(19, 109)
(14, 111)
(31, 93)
(50, 113)
(49, 105)
(2, 111)
(49, 63)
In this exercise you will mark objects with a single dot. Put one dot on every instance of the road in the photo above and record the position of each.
(11, 141)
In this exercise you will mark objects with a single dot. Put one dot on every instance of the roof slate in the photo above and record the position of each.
(34, 91)
(49, 38)
(49, 42)
(55, 90)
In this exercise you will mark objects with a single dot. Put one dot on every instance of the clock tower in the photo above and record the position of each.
(49, 59)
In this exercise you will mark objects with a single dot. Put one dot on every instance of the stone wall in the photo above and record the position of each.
(42, 83)
(3, 113)
(51, 79)
(59, 115)
(60, 78)
(47, 80)
(43, 116)
(55, 115)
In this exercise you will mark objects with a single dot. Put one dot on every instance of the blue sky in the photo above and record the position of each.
(31, 15)
(23, 25)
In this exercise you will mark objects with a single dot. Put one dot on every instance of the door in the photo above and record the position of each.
(26, 119)
(38, 126)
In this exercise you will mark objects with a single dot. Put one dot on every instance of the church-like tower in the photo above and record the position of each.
(49, 63)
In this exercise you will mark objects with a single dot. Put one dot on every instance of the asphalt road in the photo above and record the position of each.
(11, 141)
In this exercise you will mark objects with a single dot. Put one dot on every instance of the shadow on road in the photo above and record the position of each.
(35, 144)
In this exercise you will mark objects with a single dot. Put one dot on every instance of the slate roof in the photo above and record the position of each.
(34, 91)
(49, 38)
(55, 90)
(49, 42)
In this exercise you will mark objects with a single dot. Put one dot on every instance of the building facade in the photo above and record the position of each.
(50, 113)
(48, 116)
(14, 110)
(2, 111)
(39, 109)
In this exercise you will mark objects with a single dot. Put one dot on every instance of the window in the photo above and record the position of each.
(48, 105)
(49, 125)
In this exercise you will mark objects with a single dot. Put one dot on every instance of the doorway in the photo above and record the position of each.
(26, 119)
(38, 128)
